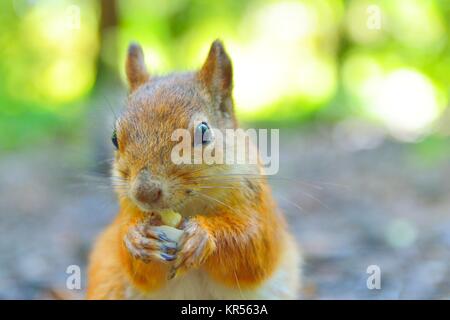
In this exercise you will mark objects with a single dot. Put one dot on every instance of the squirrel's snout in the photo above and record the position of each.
(145, 190)
(148, 194)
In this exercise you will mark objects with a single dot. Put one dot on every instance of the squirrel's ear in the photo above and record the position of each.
(135, 67)
(217, 72)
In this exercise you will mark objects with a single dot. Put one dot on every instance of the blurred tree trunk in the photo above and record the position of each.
(108, 91)
(108, 42)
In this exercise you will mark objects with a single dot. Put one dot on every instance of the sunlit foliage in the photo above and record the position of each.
(386, 61)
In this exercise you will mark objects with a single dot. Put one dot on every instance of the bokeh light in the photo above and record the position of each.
(284, 59)
(57, 46)
(406, 102)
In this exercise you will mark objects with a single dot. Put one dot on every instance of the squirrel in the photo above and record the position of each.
(232, 241)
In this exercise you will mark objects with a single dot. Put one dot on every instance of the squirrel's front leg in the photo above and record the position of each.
(147, 253)
(240, 249)
(195, 246)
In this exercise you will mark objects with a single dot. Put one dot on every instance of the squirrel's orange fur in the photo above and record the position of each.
(234, 242)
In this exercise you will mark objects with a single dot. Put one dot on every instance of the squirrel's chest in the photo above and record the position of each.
(193, 285)
(197, 285)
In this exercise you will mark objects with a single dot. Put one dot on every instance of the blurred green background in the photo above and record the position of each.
(384, 62)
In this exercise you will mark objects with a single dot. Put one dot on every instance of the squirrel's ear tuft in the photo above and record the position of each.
(217, 72)
(135, 67)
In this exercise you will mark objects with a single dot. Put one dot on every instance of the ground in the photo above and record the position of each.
(350, 204)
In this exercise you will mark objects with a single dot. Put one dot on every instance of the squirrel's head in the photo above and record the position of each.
(144, 170)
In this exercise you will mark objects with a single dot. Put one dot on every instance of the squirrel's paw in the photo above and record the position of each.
(194, 247)
(150, 243)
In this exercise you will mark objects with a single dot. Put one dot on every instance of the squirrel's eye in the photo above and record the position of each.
(203, 134)
(114, 139)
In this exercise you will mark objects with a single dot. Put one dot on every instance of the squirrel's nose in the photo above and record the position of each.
(145, 189)
(147, 193)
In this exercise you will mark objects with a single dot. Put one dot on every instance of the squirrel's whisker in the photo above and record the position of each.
(216, 187)
(214, 199)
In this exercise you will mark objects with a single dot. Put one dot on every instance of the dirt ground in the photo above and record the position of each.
(350, 204)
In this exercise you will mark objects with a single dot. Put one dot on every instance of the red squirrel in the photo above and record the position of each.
(232, 242)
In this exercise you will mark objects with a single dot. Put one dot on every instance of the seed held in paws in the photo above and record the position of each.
(170, 218)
